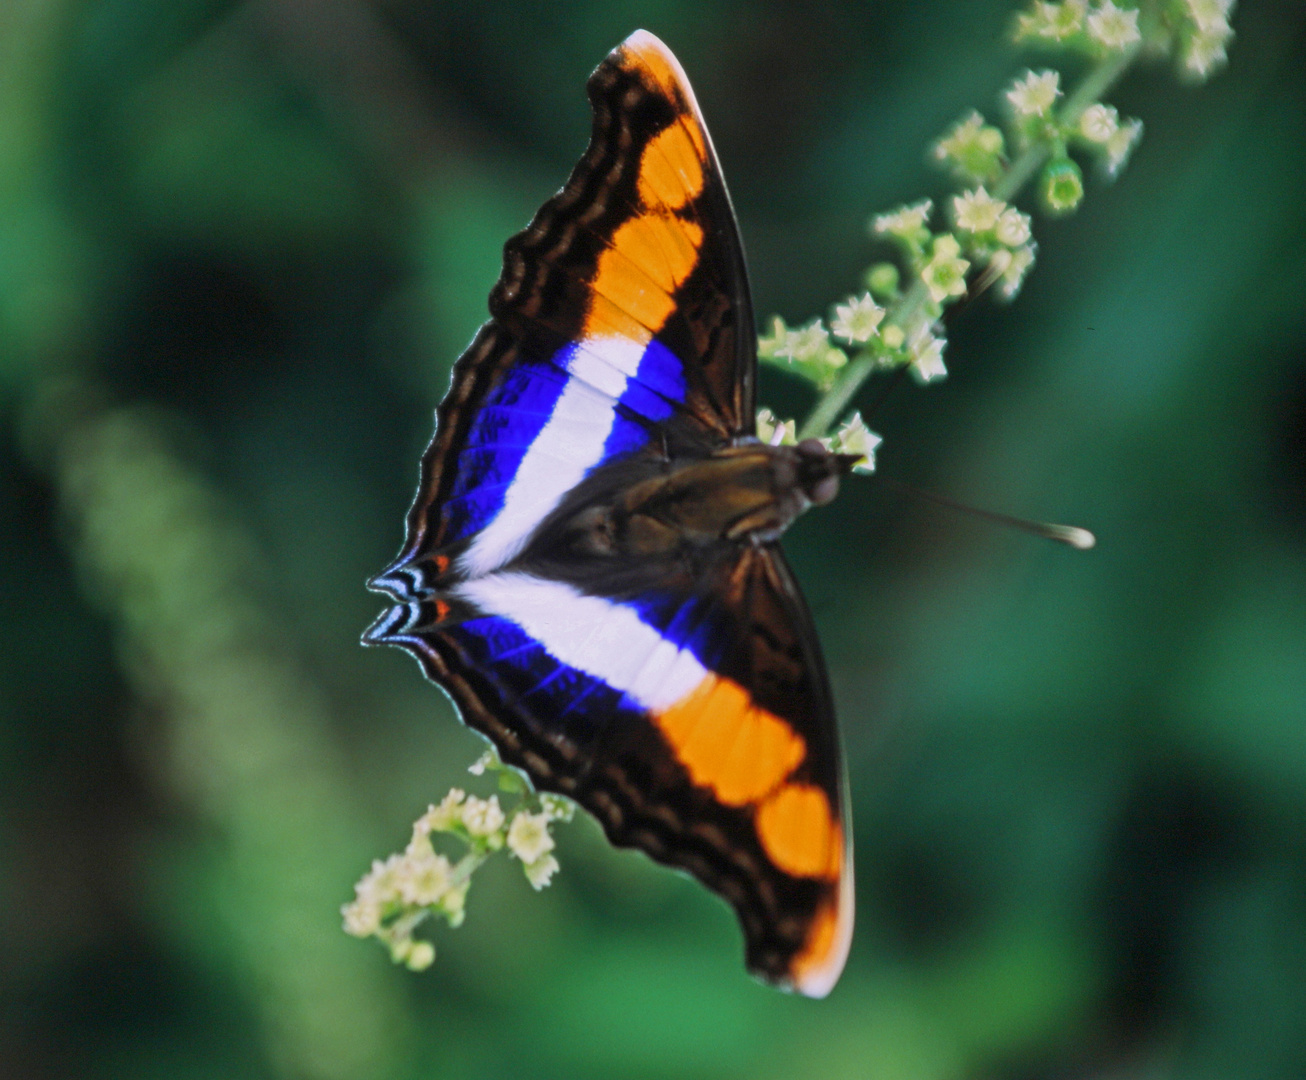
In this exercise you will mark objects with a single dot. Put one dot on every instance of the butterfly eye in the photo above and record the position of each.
(812, 448)
(824, 491)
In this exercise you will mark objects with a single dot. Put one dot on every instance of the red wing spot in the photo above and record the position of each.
(441, 610)
(441, 563)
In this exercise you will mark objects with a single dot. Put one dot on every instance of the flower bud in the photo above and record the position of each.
(1061, 186)
(882, 280)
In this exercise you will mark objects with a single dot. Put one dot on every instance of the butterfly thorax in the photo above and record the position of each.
(738, 493)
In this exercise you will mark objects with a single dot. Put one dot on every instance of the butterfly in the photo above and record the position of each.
(592, 569)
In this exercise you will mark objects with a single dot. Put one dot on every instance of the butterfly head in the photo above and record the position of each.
(817, 471)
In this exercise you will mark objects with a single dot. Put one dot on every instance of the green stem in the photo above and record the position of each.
(835, 400)
(465, 867)
(1017, 174)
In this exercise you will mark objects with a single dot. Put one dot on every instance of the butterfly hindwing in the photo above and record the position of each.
(675, 692)
(693, 719)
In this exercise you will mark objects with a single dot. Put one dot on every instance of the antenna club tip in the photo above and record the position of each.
(1080, 539)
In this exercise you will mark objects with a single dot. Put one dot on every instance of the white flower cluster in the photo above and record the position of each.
(860, 321)
(997, 234)
(906, 222)
(972, 149)
(1206, 44)
(852, 437)
(1101, 127)
(1198, 31)
(1103, 25)
(936, 259)
(807, 350)
(1052, 22)
(398, 894)
(990, 241)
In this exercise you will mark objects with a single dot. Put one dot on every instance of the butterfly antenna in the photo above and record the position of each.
(883, 398)
(1070, 535)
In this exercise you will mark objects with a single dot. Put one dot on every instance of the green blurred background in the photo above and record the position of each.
(241, 244)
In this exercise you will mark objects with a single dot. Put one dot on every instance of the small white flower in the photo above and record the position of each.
(857, 320)
(945, 274)
(1099, 122)
(768, 344)
(482, 817)
(362, 917)
(419, 847)
(1068, 19)
(1210, 16)
(1034, 22)
(1035, 94)
(1013, 275)
(557, 807)
(1121, 145)
(854, 437)
(381, 883)
(1052, 22)
(906, 221)
(1206, 51)
(973, 146)
(439, 818)
(486, 761)
(1113, 27)
(809, 342)
(1013, 227)
(977, 211)
(1028, 24)
(528, 836)
(540, 872)
(959, 137)
(424, 880)
(927, 357)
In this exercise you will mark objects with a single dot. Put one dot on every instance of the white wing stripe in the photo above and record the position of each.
(628, 654)
(567, 447)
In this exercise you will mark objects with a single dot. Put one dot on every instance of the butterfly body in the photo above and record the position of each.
(592, 569)
(675, 509)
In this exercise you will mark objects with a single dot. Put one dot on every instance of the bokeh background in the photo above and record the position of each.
(240, 245)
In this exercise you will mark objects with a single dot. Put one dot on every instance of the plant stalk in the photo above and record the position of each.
(1018, 173)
